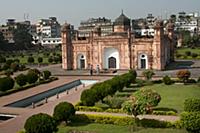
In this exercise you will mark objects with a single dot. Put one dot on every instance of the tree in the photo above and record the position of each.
(64, 112)
(21, 80)
(141, 102)
(40, 60)
(148, 74)
(183, 75)
(22, 37)
(6, 83)
(46, 74)
(50, 60)
(30, 59)
(167, 80)
(40, 123)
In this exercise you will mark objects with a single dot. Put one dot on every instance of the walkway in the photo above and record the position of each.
(16, 124)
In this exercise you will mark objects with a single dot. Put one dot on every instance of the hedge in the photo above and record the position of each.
(97, 109)
(103, 119)
(192, 105)
(191, 121)
(164, 113)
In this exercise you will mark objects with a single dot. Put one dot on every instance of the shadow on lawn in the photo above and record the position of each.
(180, 64)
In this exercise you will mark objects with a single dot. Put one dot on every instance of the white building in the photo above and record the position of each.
(50, 42)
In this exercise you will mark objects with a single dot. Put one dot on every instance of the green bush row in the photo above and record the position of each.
(100, 90)
(155, 112)
(28, 86)
(97, 109)
(103, 119)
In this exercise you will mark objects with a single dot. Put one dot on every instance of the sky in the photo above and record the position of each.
(74, 11)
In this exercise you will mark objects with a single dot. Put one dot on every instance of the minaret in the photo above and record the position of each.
(170, 29)
(157, 46)
(67, 48)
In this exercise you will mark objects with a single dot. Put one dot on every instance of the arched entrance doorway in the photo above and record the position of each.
(143, 61)
(111, 62)
(111, 58)
(81, 61)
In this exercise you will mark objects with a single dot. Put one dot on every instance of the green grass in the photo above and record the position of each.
(173, 96)
(107, 128)
(183, 50)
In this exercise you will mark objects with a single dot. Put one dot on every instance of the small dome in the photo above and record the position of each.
(122, 20)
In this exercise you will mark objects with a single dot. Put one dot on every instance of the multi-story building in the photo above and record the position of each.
(11, 25)
(144, 26)
(48, 28)
(86, 27)
(188, 22)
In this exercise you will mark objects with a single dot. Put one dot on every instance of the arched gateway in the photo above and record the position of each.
(111, 58)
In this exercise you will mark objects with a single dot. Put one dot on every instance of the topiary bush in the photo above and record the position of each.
(192, 105)
(188, 53)
(46, 74)
(191, 121)
(40, 123)
(148, 74)
(64, 111)
(30, 59)
(167, 80)
(6, 83)
(40, 59)
(32, 77)
(194, 55)
(21, 80)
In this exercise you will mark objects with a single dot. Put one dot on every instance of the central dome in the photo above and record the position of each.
(122, 20)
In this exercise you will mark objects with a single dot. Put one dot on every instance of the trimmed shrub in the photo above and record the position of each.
(6, 83)
(188, 53)
(21, 80)
(30, 59)
(50, 59)
(90, 109)
(40, 123)
(103, 119)
(5, 67)
(192, 105)
(194, 55)
(64, 111)
(148, 74)
(32, 77)
(9, 62)
(164, 113)
(167, 80)
(114, 102)
(14, 67)
(40, 59)
(46, 74)
(191, 121)
(183, 75)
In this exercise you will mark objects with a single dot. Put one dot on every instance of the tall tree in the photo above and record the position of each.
(22, 37)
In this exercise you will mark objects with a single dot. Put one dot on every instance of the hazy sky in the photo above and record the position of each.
(73, 11)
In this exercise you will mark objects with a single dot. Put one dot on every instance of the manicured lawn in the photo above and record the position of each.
(107, 128)
(173, 96)
(183, 50)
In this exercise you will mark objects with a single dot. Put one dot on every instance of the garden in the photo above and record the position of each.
(125, 94)
(188, 53)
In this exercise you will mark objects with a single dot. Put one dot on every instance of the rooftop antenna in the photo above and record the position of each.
(122, 11)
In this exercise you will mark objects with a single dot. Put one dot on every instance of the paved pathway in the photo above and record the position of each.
(16, 124)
